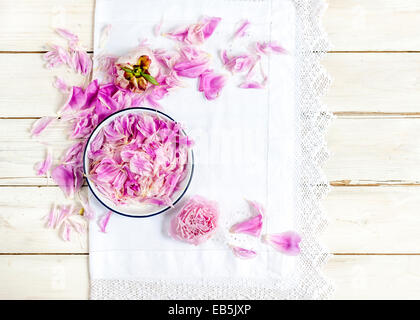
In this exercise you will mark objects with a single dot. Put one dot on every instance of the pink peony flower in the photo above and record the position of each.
(196, 222)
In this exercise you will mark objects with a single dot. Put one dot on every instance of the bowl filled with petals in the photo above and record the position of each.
(138, 162)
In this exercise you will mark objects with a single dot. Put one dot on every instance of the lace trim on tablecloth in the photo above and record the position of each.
(313, 120)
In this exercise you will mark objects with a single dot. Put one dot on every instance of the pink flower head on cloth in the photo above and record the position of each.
(196, 221)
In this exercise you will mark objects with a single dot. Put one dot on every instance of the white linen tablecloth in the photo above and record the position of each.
(246, 147)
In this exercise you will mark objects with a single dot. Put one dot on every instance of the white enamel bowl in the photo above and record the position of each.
(139, 210)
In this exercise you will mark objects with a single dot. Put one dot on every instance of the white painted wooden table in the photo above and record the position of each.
(374, 206)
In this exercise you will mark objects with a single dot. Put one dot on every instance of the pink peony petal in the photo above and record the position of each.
(63, 213)
(157, 28)
(103, 221)
(66, 231)
(191, 69)
(40, 125)
(44, 166)
(251, 85)
(72, 38)
(211, 84)
(286, 242)
(257, 207)
(268, 48)
(68, 178)
(81, 62)
(196, 222)
(61, 85)
(141, 164)
(56, 57)
(253, 225)
(243, 253)
(209, 25)
(52, 216)
(88, 212)
(238, 63)
(241, 32)
(104, 36)
(196, 33)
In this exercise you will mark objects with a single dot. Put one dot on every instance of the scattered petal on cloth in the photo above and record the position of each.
(243, 253)
(196, 33)
(238, 63)
(250, 82)
(103, 221)
(253, 225)
(268, 48)
(286, 242)
(43, 167)
(242, 30)
(252, 85)
(257, 207)
(105, 33)
(40, 125)
(191, 69)
(196, 222)
(157, 28)
(211, 84)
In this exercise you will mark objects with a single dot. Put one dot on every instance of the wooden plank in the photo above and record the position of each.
(29, 25)
(19, 152)
(372, 220)
(361, 220)
(375, 277)
(66, 277)
(351, 25)
(26, 86)
(366, 83)
(374, 25)
(44, 277)
(378, 88)
(23, 214)
(371, 149)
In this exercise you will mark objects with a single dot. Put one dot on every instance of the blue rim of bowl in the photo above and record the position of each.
(98, 198)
